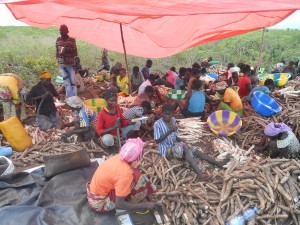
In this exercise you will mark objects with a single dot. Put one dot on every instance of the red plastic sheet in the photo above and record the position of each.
(153, 28)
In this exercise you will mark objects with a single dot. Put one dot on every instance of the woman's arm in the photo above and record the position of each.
(121, 203)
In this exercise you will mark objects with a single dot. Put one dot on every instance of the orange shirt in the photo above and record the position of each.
(231, 97)
(113, 173)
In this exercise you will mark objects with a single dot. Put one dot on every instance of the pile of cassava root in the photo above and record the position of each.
(272, 185)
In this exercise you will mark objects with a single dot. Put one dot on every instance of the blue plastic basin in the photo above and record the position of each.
(212, 75)
(264, 105)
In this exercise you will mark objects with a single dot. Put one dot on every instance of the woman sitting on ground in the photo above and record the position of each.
(244, 82)
(280, 141)
(84, 121)
(193, 105)
(118, 184)
(170, 78)
(122, 82)
(107, 121)
(230, 100)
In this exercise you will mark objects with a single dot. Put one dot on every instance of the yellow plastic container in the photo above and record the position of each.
(107, 76)
(96, 104)
(280, 79)
(99, 78)
(15, 134)
(102, 77)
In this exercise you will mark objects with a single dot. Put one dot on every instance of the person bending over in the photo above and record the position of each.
(280, 141)
(118, 184)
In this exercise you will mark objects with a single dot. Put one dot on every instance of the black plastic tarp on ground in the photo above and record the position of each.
(31, 199)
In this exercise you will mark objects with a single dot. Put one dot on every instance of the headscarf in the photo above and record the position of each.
(74, 102)
(221, 86)
(118, 65)
(132, 150)
(273, 129)
(45, 75)
(238, 69)
(231, 70)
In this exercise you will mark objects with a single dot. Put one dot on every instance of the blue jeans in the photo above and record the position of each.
(126, 130)
(68, 74)
(47, 122)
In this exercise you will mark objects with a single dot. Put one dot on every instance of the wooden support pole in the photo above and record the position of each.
(124, 49)
(261, 51)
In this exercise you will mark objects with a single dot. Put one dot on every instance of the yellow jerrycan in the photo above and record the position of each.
(15, 134)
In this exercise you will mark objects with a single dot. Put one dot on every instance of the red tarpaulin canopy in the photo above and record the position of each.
(153, 28)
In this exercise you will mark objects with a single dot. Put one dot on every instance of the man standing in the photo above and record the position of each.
(105, 60)
(66, 50)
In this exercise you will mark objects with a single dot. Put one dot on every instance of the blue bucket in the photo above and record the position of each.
(264, 105)
(212, 75)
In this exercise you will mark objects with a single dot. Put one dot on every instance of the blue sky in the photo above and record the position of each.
(7, 19)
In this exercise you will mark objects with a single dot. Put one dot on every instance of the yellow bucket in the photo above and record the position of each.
(107, 76)
(99, 78)
(96, 104)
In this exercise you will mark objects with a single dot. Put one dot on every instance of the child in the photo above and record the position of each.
(194, 104)
(137, 78)
(179, 81)
(107, 122)
(171, 146)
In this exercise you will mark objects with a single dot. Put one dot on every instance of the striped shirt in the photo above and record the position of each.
(134, 112)
(160, 129)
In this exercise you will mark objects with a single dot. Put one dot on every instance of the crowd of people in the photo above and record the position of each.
(118, 183)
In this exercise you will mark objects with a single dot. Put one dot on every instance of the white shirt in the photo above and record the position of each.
(143, 86)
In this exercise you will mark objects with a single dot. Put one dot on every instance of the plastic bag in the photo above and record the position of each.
(6, 166)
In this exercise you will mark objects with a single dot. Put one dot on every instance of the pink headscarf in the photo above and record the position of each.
(132, 150)
(273, 129)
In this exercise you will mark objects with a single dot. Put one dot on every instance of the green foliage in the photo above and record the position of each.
(27, 51)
